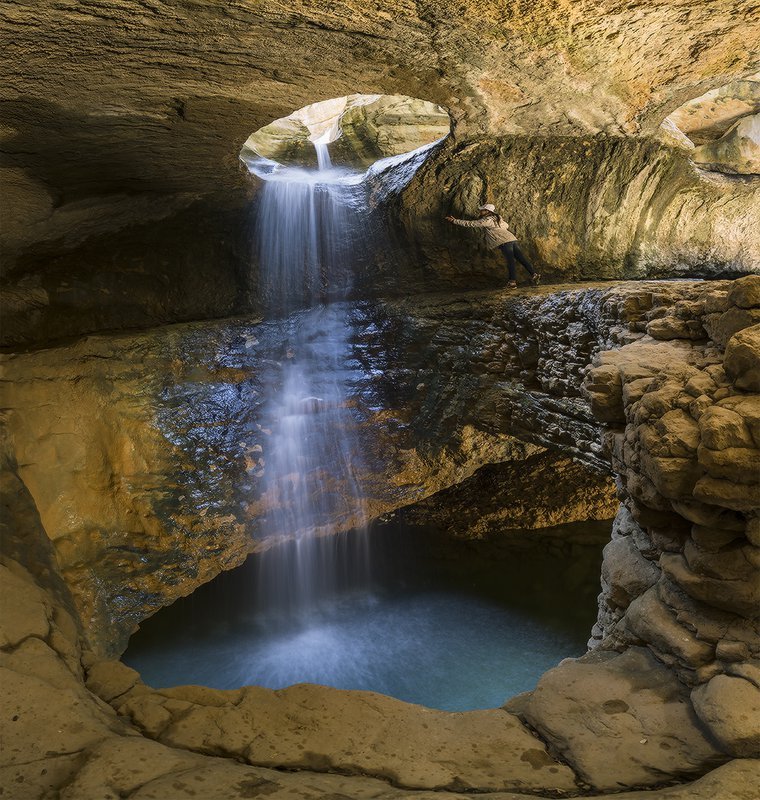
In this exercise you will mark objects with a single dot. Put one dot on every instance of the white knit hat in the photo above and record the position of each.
(487, 207)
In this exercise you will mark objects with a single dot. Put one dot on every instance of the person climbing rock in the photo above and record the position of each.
(499, 237)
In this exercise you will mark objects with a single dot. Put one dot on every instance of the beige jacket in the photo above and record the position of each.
(497, 233)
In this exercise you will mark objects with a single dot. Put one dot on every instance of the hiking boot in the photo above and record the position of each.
(512, 285)
(535, 279)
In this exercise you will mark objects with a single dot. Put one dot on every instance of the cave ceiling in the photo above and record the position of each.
(123, 96)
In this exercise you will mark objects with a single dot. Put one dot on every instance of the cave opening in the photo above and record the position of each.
(354, 131)
(721, 129)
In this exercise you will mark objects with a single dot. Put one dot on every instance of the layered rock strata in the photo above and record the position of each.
(147, 471)
(120, 168)
(144, 453)
(681, 576)
(671, 687)
(583, 208)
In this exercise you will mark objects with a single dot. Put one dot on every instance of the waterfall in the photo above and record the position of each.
(309, 229)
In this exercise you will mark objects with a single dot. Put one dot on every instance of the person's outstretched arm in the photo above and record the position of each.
(471, 223)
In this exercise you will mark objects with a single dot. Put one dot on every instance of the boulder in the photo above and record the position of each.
(626, 572)
(722, 327)
(745, 292)
(620, 720)
(650, 620)
(730, 707)
(742, 360)
(720, 427)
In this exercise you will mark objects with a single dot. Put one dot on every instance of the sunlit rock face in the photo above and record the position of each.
(125, 197)
(710, 116)
(721, 128)
(582, 208)
(359, 130)
(737, 151)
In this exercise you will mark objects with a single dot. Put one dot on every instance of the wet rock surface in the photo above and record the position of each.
(127, 205)
(147, 474)
(67, 742)
(673, 681)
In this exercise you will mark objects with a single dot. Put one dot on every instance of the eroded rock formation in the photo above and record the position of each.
(68, 743)
(673, 677)
(126, 459)
(582, 207)
(147, 477)
(680, 576)
(358, 131)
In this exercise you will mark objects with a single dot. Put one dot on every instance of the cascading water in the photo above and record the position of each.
(308, 247)
(458, 632)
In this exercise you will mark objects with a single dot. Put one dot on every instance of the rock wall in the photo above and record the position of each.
(147, 474)
(113, 735)
(681, 574)
(583, 208)
(670, 690)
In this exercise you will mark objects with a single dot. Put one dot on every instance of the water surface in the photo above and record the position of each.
(454, 626)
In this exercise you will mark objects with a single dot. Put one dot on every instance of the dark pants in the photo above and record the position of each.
(511, 251)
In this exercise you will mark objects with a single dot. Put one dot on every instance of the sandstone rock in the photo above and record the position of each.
(699, 405)
(111, 679)
(626, 572)
(710, 516)
(716, 301)
(605, 392)
(731, 322)
(748, 408)
(653, 622)
(720, 428)
(24, 609)
(742, 360)
(700, 384)
(673, 328)
(737, 151)
(740, 464)
(314, 727)
(730, 708)
(736, 590)
(613, 732)
(541, 492)
(745, 292)
(678, 434)
(673, 478)
(727, 493)
(635, 390)
(753, 531)
(713, 540)
(727, 650)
